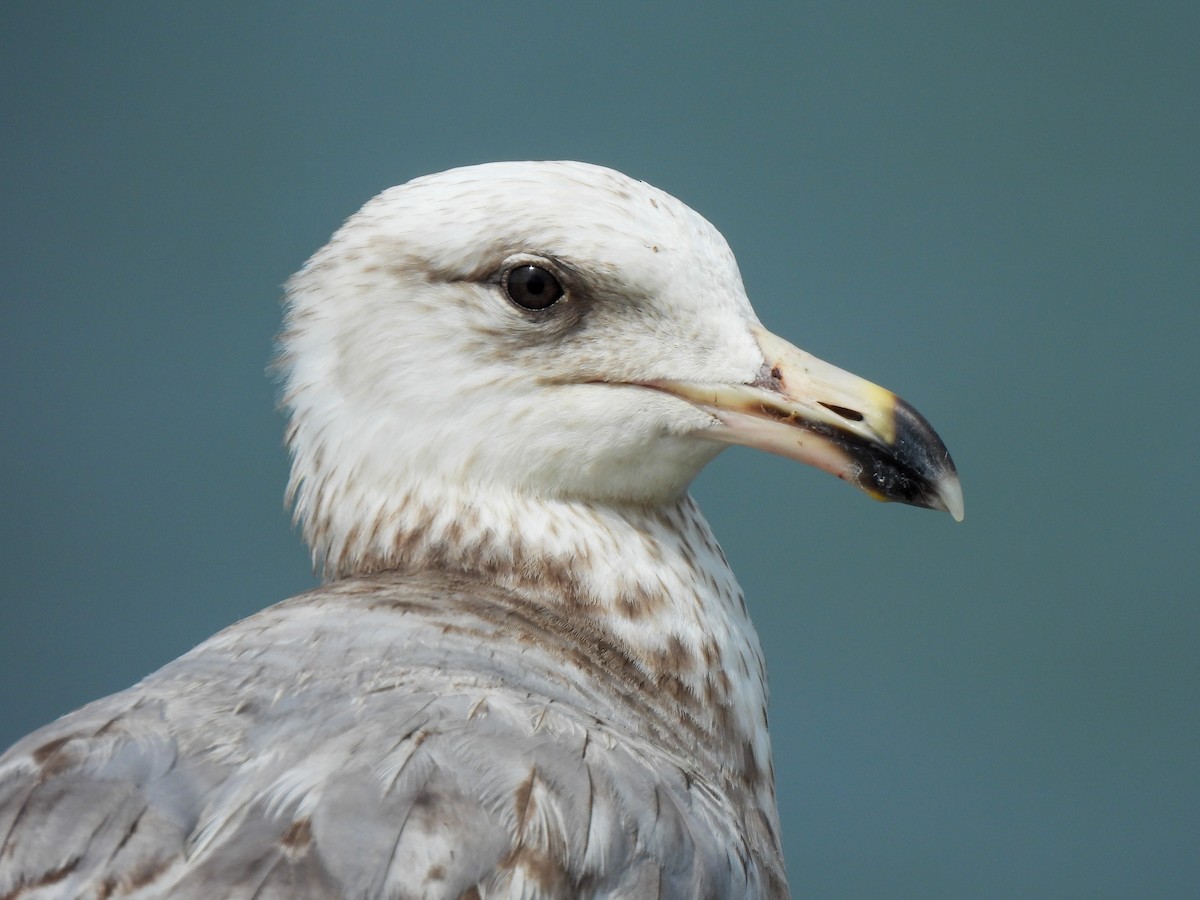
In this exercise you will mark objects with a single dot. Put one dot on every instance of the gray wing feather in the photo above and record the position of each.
(373, 739)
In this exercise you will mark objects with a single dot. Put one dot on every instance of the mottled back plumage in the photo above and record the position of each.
(385, 736)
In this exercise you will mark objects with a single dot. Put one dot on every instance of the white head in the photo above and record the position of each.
(413, 366)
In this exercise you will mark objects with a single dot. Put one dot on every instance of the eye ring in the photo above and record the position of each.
(532, 287)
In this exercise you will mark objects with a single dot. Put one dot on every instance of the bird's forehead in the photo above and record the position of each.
(582, 213)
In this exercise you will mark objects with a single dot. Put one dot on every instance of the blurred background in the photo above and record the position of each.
(992, 209)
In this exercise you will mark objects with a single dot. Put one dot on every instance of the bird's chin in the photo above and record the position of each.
(657, 473)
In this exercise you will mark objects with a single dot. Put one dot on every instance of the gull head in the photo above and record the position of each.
(554, 331)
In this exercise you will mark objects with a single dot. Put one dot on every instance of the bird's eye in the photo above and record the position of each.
(532, 287)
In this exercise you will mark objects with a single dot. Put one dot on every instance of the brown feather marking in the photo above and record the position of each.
(49, 749)
(638, 602)
(676, 655)
(54, 876)
(129, 832)
(298, 836)
(523, 795)
(749, 763)
(51, 758)
(549, 874)
(148, 874)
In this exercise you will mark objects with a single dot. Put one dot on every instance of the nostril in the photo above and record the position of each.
(852, 414)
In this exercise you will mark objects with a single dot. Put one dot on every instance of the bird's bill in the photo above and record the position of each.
(806, 409)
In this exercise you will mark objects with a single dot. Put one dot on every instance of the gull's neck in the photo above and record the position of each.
(652, 577)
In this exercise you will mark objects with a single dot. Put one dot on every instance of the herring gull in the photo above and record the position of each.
(529, 671)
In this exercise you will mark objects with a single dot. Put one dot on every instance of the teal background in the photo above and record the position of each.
(993, 209)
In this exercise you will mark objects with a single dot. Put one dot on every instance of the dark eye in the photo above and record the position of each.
(532, 287)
